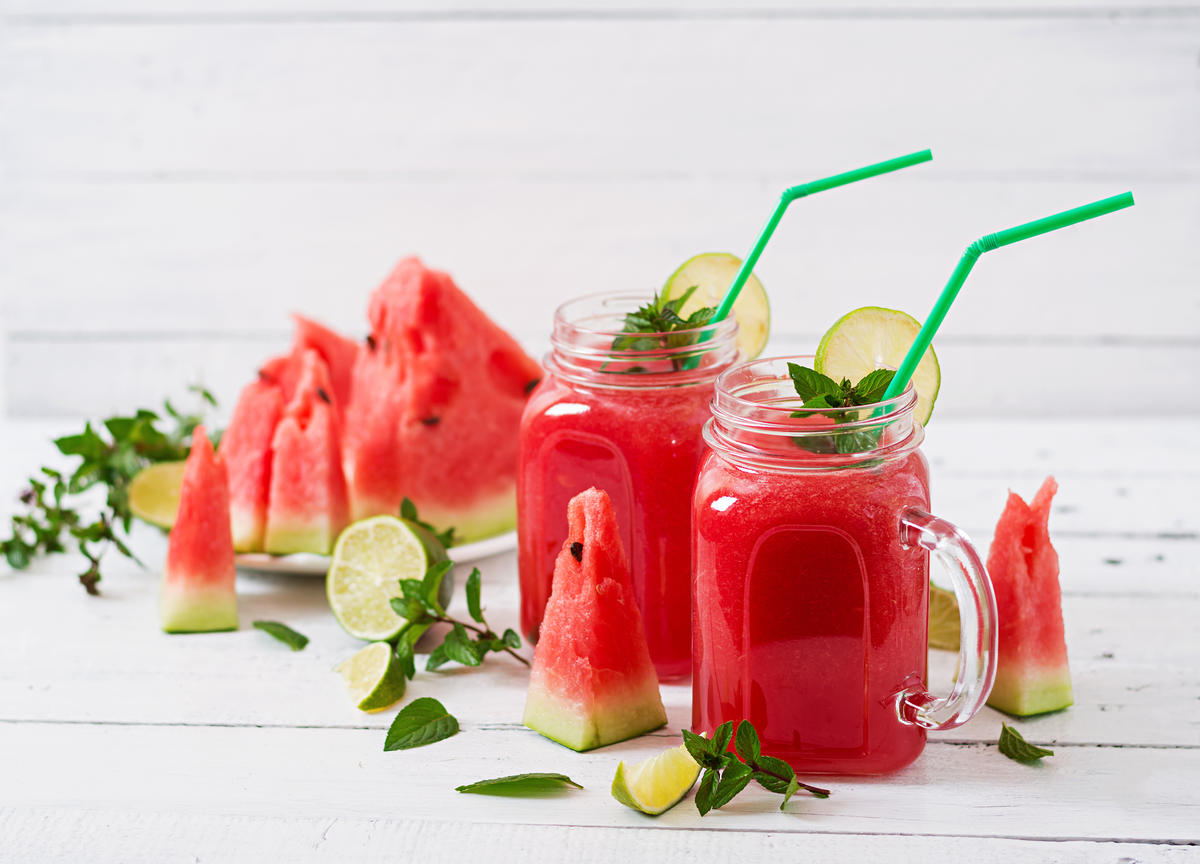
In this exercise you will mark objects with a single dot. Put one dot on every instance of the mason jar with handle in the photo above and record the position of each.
(811, 544)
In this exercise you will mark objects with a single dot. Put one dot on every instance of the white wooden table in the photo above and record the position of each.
(118, 742)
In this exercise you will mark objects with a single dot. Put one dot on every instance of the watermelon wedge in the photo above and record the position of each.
(435, 407)
(1032, 676)
(339, 353)
(197, 592)
(307, 505)
(246, 450)
(592, 681)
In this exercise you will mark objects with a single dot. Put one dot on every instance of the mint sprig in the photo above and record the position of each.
(725, 775)
(660, 320)
(1013, 745)
(821, 393)
(56, 518)
(466, 643)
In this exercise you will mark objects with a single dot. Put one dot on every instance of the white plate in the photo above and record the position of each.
(307, 564)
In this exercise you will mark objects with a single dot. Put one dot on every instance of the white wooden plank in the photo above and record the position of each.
(53, 11)
(602, 96)
(233, 256)
(114, 835)
(1082, 793)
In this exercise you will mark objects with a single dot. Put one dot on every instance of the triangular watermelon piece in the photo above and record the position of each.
(593, 682)
(339, 353)
(246, 449)
(307, 506)
(197, 592)
(1032, 675)
(436, 407)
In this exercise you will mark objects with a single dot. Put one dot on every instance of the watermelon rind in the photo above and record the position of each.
(491, 516)
(289, 538)
(1024, 693)
(190, 608)
(568, 723)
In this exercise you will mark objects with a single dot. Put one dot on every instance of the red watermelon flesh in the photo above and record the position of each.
(246, 450)
(592, 682)
(443, 388)
(197, 592)
(307, 506)
(339, 353)
(1032, 675)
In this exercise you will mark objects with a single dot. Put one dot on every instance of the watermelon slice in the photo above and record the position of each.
(246, 450)
(198, 593)
(435, 407)
(339, 353)
(1031, 675)
(592, 681)
(307, 507)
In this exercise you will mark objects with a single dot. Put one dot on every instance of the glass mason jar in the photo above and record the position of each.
(622, 412)
(810, 596)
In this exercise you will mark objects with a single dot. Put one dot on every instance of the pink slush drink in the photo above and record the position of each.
(632, 427)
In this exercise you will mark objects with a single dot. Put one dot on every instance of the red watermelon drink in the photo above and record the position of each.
(626, 420)
(812, 537)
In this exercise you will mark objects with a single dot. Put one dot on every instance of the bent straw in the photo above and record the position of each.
(986, 244)
(804, 189)
(785, 199)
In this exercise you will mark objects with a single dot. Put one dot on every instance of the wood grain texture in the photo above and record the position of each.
(188, 180)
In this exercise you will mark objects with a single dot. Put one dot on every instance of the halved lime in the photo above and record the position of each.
(944, 623)
(369, 560)
(374, 677)
(712, 273)
(658, 783)
(873, 338)
(154, 493)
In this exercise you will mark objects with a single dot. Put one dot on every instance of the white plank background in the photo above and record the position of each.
(178, 176)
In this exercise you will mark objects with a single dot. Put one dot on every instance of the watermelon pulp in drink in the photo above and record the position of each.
(630, 425)
(810, 613)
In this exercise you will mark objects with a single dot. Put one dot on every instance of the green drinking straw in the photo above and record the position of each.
(786, 198)
(986, 244)
(803, 190)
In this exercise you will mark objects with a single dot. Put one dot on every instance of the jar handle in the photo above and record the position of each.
(977, 646)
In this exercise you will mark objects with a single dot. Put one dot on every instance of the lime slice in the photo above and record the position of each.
(657, 784)
(712, 273)
(369, 560)
(874, 338)
(374, 677)
(154, 493)
(944, 624)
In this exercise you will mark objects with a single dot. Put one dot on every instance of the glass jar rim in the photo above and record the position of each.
(765, 433)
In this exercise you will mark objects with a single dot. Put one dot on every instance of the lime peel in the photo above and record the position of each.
(657, 783)
(374, 677)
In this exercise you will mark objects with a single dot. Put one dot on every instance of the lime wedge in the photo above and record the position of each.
(944, 624)
(712, 273)
(874, 338)
(374, 677)
(154, 493)
(658, 783)
(369, 560)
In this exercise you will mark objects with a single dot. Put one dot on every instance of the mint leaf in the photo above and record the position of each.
(704, 794)
(511, 639)
(734, 779)
(407, 658)
(792, 787)
(659, 320)
(285, 634)
(873, 385)
(408, 510)
(431, 585)
(459, 647)
(703, 751)
(420, 722)
(810, 382)
(1014, 746)
(721, 737)
(535, 784)
(746, 742)
(437, 658)
(473, 591)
